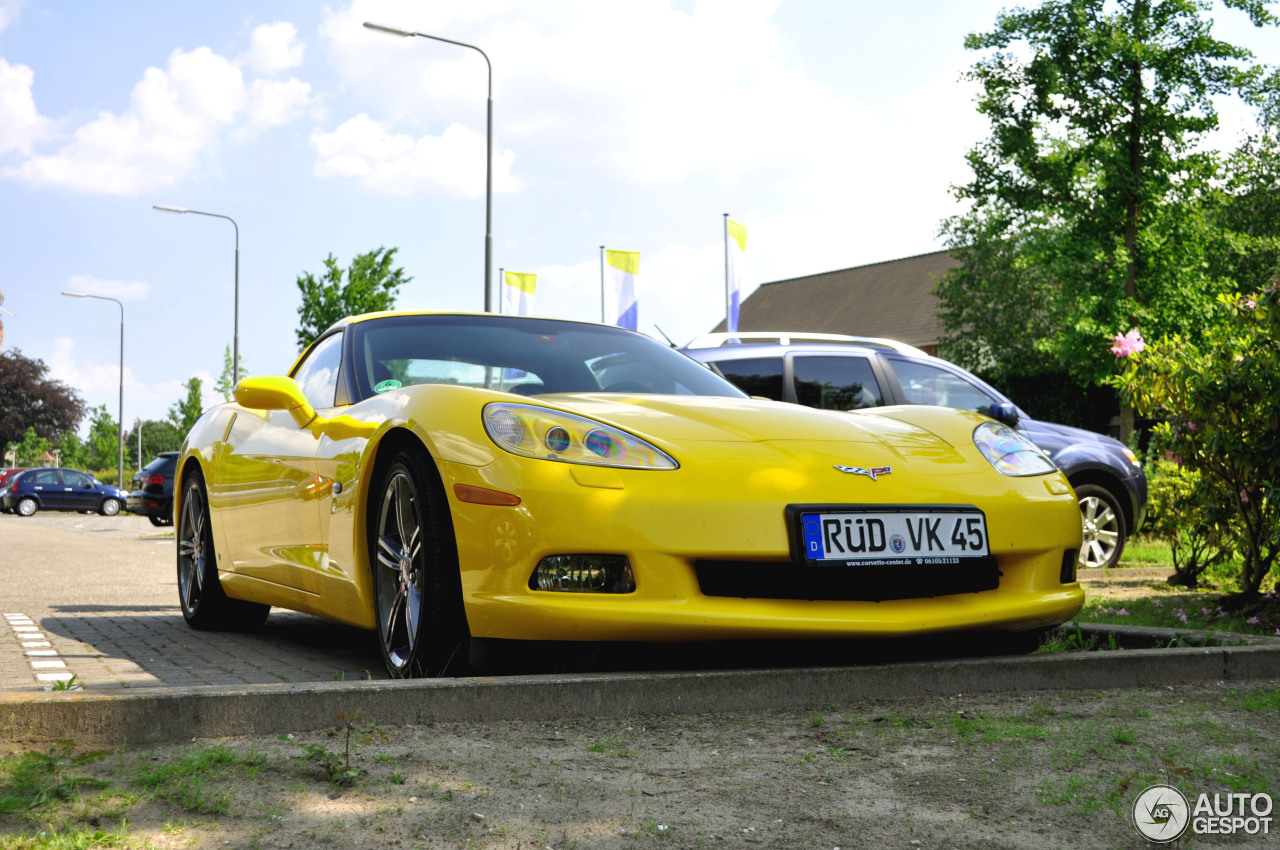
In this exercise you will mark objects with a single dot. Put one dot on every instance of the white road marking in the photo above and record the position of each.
(41, 659)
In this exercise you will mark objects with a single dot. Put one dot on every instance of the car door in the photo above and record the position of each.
(268, 486)
(79, 491)
(46, 485)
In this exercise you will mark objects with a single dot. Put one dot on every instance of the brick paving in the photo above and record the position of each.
(95, 597)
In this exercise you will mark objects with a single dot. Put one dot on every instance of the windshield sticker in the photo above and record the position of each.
(387, 386)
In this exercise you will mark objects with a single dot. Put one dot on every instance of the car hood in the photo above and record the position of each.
(686, 419)
(1053, 438)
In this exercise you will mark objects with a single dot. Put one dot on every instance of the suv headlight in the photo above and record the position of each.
(540, 432)
(1010, 452)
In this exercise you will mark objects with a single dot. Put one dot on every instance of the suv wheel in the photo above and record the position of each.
(1104, 530)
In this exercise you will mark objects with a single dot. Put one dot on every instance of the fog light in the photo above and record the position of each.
(1069, 560)
(584, 574)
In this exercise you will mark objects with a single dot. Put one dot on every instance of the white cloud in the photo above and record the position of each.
(272, 103)
(8, 12)
(398, 164)
(273, 48)
(21, 125)
(125, 290)
(176, 116)
(98, 382)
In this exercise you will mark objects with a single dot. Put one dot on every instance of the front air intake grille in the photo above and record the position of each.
(786, 580)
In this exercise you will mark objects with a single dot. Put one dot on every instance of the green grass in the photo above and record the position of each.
(1169, 609)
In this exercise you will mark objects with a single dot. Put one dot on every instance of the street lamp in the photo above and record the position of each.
(120, 421)
(488, 168)
(235, 357)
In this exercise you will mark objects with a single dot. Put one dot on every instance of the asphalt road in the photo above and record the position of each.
(102, 593)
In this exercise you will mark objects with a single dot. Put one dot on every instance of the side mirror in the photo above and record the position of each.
(275, 393)
(1006, 412)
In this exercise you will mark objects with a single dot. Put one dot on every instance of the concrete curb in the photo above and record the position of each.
(166, 715)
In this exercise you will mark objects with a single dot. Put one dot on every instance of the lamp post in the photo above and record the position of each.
(120, 421)
(235, 340)
(488, 168)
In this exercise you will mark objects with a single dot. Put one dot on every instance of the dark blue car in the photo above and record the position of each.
(838, 372)
(60, 489)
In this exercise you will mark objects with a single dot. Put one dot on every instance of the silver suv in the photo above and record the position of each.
(837, 372)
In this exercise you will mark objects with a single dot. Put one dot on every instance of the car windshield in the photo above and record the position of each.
(522, 355)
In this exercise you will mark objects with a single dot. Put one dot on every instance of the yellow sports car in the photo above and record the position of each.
(449, 478)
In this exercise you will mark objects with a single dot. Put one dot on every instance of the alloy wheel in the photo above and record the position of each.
(192, 550)
(1101, 532)
(401, 571)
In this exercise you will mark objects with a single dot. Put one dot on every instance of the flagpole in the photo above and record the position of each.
(602, 284)
(502, 281)
(727, 305)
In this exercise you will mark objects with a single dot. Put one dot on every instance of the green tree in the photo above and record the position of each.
(157, 436)
(73, 452)
(185, 413)
(1092, 207)
(224, 384)
(370, 285)
(103, 446)
(29, 450)
(29, 399)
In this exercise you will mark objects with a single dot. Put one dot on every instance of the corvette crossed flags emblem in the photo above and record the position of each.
(871, 473)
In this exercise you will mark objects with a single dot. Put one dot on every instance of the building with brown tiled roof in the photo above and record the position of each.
(893, 299)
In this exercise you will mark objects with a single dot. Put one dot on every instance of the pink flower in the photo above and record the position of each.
(1126, 344)
(1253, 621)
(1191, 426)
(1122, 613)
(1182, 617)
(1250, 304)
(1157, 603)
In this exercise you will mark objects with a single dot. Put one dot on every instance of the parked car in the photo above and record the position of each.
(61, 489)
(444, 478)
(6, 476)
(838, 372)
(152, 493)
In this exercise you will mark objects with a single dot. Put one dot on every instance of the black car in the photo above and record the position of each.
(152, 489)
(839, 372)
(60, 489)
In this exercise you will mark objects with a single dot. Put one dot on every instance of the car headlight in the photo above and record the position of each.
(540, 432)
(1010, 452)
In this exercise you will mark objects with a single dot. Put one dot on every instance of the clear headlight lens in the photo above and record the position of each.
(533, 431)
(1010, 452)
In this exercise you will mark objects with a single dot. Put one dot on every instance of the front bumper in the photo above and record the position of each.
(668, 523)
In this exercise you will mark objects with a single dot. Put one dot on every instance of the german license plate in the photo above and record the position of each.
(891, 536)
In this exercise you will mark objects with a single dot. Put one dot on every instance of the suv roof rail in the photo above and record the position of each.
(720, 340)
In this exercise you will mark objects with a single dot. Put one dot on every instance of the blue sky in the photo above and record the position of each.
(831, 130)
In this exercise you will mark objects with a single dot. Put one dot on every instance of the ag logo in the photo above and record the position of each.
(1161, 814)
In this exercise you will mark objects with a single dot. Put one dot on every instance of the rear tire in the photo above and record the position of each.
(422, 627)
(204, 604)
(1104, 527)
(27, 507)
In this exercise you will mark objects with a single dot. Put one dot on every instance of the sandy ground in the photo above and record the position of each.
(1056, 769)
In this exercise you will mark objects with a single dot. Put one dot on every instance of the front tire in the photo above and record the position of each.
(110, 507)
(204, 604)
(1104, 527)
(27, 507)
(422, 628)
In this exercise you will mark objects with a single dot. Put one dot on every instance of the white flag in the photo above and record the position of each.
(620, 305)
(517, 293)
(735, 271)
